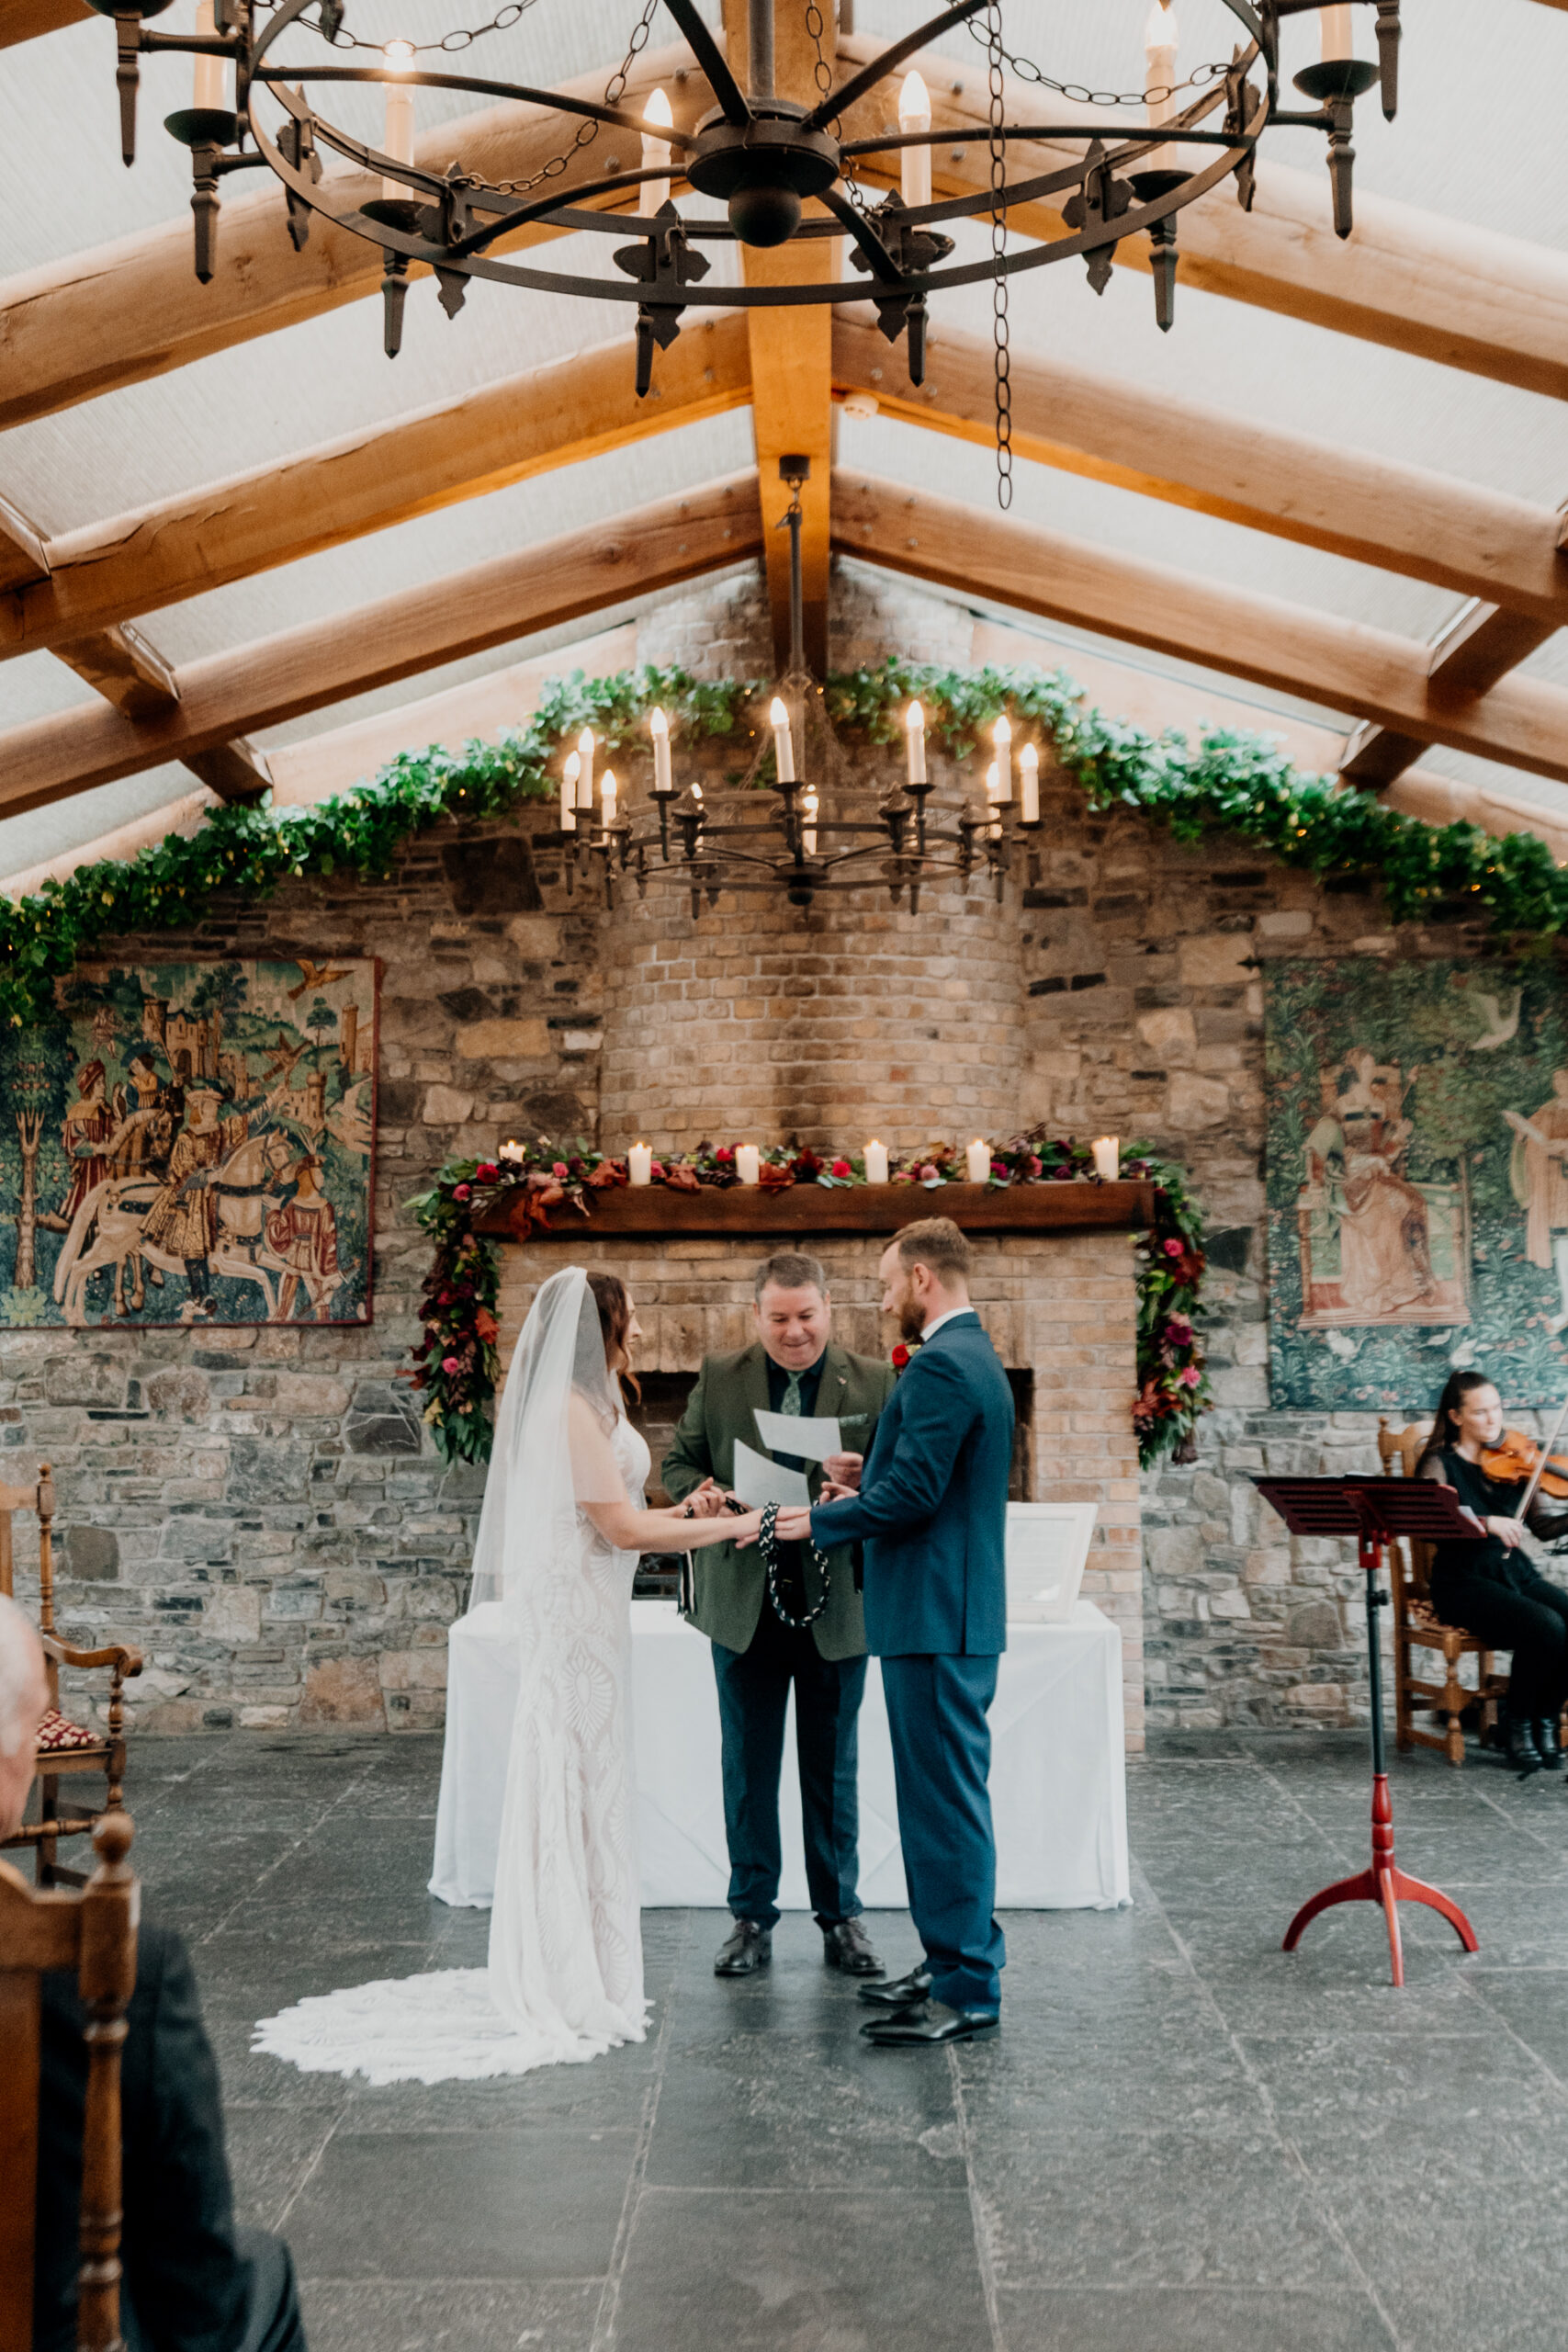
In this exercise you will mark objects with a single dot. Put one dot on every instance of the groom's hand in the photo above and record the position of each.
(843, 1472)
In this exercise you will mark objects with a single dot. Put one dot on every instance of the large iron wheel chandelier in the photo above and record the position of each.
(761, 156)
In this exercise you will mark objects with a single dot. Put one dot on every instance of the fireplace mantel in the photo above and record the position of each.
(750, 1210)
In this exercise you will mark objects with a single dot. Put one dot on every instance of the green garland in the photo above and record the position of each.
(1233, 783)
(456, 1362)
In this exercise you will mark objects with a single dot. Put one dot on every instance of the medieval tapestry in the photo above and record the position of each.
(1418, 1200)
(191, 1144)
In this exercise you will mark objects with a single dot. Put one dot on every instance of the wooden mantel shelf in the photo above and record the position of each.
(801, 1209)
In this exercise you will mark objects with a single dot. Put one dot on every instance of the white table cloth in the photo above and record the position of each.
(1058, 1782)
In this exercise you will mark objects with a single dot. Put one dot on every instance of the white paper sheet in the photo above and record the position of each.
(760, 1481)
(809, 1439)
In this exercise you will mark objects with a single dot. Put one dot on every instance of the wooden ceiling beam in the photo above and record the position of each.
(1409, 279)
(1340, 665)
(26, 19)
(792, 402)
(1477, 650)
(1374, 510)
(323, 662)
(122, 312)
(119, 664)
(569, 410)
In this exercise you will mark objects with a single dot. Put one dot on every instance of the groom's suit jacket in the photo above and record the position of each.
(931, 1509)
(729, 1586)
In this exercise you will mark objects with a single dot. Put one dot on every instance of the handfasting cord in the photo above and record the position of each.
(767, 1543)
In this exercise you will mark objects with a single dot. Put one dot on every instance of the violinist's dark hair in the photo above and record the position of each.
(1456, 1389)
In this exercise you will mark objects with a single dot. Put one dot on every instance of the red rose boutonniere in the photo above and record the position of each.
(902, 1355)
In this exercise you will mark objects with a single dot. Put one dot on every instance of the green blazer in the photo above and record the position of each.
(731, 1589)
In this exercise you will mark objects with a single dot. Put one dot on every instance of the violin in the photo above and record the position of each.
(1517, 1456)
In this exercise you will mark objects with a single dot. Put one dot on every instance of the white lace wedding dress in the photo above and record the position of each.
(564, 1978)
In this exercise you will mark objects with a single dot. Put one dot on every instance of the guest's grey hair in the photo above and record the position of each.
(792, 1270)
(21, 1671)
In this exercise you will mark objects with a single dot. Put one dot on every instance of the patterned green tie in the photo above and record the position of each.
(790, 1406)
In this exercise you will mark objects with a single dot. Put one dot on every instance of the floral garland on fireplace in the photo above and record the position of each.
(456, 1362)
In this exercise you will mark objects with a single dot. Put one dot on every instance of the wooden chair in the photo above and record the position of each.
(65, 1749)
(93, 1933)
(1417, 1626)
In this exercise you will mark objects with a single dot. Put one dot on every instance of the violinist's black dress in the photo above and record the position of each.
(1499, 1594)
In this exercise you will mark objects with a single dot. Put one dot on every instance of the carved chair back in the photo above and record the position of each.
(1420, 1633)
(93, 1933)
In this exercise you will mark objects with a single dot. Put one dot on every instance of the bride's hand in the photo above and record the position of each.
(745, 1532)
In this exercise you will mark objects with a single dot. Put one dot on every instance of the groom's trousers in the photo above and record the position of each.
(942, 1762)
(753, 1694)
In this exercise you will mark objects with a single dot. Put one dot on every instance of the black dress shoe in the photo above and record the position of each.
(930, 2022)
(746, 1948)
(1548, 1742)
(847, 1946)
(902, 1993)
(1520, 1745)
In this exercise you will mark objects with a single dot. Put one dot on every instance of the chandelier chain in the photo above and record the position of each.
(1202, 77)
(1000, 329)
(822, 73)
(588, 130)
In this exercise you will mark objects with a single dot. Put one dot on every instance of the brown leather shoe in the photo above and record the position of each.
(746, 1948)
(847, 1946)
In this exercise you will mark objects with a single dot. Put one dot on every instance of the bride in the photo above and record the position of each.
(562, 1525)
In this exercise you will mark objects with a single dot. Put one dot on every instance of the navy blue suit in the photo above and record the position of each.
(932, 1513)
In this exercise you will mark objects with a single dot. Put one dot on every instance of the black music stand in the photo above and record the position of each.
(1374, 1510)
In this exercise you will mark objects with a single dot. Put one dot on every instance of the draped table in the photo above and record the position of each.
(1058, 1784)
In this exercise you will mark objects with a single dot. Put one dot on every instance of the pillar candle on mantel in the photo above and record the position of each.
(783, 742)
(915, 162)
(876, 1163)
(977, 1161)
(639, 1164)
(208, 92)
(397, 138)
(748, 1163)
(1338, 36)
(1108, 1159)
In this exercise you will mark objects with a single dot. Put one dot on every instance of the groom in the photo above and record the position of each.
(931, 1509)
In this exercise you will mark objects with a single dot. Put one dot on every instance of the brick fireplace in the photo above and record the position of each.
(1057, 1298)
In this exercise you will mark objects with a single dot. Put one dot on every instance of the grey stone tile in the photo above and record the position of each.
(343, 2315)
(612, 2093)
(1188, 2319)
(1154, 2208)
(795, 2271)
(507, 2203)
(1435, 2082)
(273, 2149)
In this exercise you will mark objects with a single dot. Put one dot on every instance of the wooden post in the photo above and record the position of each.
(107, 1981)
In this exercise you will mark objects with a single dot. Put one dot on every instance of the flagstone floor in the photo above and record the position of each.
(1183, 2138)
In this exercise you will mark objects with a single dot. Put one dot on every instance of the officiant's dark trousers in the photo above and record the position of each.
(942, 1762)
(753, 1694)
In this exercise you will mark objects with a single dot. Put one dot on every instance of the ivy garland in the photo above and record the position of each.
(1231, 782)
(455, 1360)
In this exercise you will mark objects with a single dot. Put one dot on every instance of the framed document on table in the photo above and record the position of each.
(1047, 1545)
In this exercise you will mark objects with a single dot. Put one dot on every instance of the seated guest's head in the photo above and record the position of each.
(24, 1697)
(793, 1310)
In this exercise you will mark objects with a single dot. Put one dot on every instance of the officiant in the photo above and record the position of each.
(800, 1629)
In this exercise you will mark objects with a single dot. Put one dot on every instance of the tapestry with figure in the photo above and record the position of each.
(1417, 1128)
(191, 1144)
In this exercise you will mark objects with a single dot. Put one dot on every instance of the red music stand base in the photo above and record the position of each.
(1385, 1884)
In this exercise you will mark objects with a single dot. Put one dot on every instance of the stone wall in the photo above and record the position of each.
(261, 1509)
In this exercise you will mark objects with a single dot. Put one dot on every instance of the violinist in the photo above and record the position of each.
(1490, 1586)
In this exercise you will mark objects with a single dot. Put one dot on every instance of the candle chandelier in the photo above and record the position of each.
(261, 73)
(819, 834)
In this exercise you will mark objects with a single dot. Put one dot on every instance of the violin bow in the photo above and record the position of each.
(1545, 1455)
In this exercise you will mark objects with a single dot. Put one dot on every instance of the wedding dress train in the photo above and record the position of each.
(564, 1978)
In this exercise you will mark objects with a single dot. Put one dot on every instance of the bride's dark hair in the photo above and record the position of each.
(614, 1322)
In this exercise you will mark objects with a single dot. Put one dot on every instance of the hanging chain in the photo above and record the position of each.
(822, 71)
(1202, 77)
(588, 130)
(999, 327)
